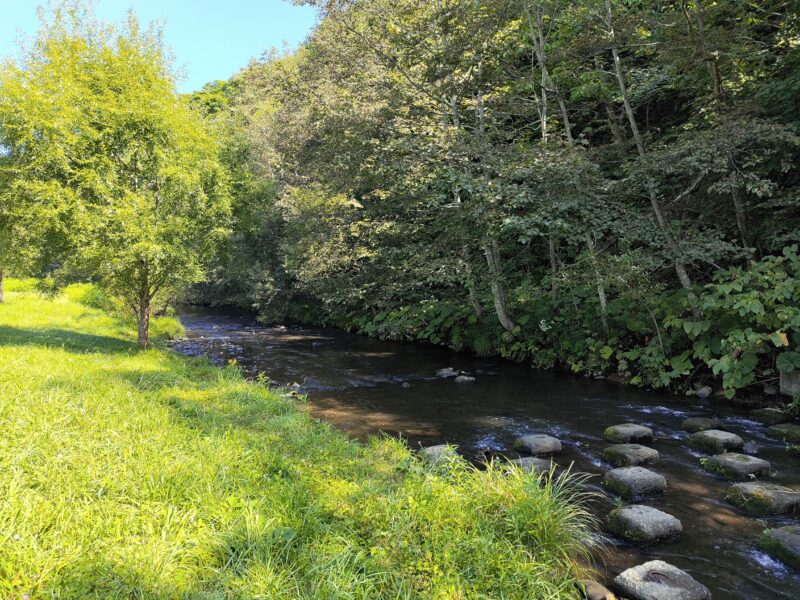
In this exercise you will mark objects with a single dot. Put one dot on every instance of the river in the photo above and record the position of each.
(366, 386)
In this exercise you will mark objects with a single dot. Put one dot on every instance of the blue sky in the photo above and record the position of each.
(211, 39)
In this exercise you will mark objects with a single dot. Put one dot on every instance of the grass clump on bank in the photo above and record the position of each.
(144, 474)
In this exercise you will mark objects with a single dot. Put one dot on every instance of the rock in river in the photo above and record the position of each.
(714, 441)
(788, 432)
(644, 524)
(783, 543)
(538, 443)
(447, 372)
(695, 424)
(435, 454)
(764, 498)
(591, 590)
(657, 580)
(770, 416)
(633, 482)
(627, 433)
(736, 466)
(532, 464)
(627, 455)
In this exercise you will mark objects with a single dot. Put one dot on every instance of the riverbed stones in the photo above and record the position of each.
(447, 372)
(538, 443)
(591, 590)
(628, 455)
(783, 543)
(764, 498)
(644, 524)
(464, 379)
(770, 416)
(634, 482)
(628, 433)
(715, 441)
(533, 464)
(658, 580)
(736, 466)
(788, 432)
(437, 454)
(695, 424)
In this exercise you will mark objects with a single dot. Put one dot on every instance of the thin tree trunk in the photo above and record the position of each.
(601, 288)
(711, 58)
(2, 291)
(498, 289)
(143, 319)
(474, 298)
(613, 125)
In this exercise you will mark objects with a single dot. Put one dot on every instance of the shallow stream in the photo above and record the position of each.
(366, 386)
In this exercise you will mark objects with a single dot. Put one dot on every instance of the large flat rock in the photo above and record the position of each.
(538, 443)
(736, 466)
(628, 433)
(438, 454)
(770, 416)
(715, 441)
(764, 498)
(532, 464)
(695, 424)
(644, 524)
(634, 482)
(657, 580)
(783, 543)
(788, 432)
(630, 455)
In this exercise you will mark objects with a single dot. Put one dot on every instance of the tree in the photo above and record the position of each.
(98, 140)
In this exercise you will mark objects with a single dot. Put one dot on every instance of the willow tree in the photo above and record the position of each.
(95, 133)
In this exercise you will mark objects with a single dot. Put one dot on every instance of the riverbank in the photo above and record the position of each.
(130, 473)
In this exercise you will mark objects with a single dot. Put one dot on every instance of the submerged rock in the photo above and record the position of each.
(715, 441)
(447, 372)
(436, 454)
(532, 464)
(788, 432)
(783, 543)
(644, 524)
(634, 482)
(695, 424)
(736, 466)
(626, 455)
(764, 498)
(628, 432)
(770, 416)
(538, 443)
(657, 580)
(464, 379)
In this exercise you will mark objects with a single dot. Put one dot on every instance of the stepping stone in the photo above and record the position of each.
(644, 524)
(532, 464)
(764, 498)
(633, 482)
(714, 441)
(788, 432)
(447, 372)
(736, 466)
(770, 416)
(627, 433)
(435, 454)
(657, 580)
(591, 590)
(626, 455)
(464, 379)
(783, 543)
(695, 424)
(538, 443)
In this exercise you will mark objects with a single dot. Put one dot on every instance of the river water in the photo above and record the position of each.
(366, 386)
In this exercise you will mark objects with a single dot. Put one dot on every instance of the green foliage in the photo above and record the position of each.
(132, 473)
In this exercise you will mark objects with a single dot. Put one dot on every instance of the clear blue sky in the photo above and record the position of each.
(211, 39)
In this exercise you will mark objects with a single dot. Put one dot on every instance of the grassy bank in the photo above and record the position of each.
(144, 474)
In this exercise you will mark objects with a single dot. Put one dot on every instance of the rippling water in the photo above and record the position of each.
(366, 386)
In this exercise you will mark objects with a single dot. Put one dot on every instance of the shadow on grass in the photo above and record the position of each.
(63, 338)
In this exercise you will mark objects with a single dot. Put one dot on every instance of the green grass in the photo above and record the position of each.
(144, 474)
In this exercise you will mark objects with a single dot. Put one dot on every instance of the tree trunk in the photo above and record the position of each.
(2, 291)
(498, 288)
(474, 298)
(551, 244)
(711, 58)
(739, 206)
(613, 125)
(601, 288)
(143, 319)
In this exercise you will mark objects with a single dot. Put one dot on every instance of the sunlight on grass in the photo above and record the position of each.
(141, 474)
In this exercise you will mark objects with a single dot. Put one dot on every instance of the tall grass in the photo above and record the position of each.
(143, 474)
